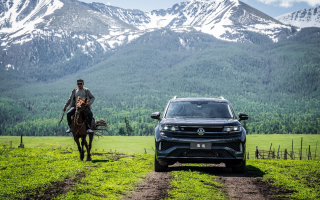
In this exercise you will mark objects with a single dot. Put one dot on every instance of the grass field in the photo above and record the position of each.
(115, 143)
(299, 177)
(138, 144)
(34, 173)
(48, 163)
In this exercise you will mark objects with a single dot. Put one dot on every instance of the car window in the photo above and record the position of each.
(199, 109)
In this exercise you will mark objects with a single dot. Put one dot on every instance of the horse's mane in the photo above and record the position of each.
(81, 101)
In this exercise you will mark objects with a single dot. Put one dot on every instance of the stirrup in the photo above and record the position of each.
(69, 130)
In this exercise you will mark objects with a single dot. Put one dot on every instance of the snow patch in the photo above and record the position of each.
(8, 66)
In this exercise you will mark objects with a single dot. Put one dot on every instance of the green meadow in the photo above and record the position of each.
(142, 144)
(120, 164)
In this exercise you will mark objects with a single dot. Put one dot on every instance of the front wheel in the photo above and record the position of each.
(158, 167)
(241, 168)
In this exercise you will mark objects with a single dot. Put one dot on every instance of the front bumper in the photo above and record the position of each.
(229, 150)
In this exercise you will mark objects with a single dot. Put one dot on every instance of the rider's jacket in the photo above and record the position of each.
(84, 93)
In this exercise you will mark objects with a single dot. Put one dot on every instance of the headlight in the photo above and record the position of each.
(169, 128)
(232, 129)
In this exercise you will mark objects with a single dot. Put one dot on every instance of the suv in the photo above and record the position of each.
(200, 130)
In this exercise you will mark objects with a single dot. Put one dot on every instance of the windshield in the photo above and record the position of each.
(199, 109)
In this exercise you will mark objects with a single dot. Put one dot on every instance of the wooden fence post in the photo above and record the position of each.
(273, 154)
(257, 152)
(285, 154)
(315, 152)
(292, 151)
(309, 154)
(301, 149)
(269, 151)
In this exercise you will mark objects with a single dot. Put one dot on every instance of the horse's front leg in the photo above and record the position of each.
(83, 141)
(90, 141)
(88, 151)
(76, 139)
(90, 145)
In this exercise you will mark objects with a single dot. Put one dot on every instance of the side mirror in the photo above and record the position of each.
(155, 115)
(243, 116)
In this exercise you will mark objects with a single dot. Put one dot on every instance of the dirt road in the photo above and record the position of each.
(238, 186)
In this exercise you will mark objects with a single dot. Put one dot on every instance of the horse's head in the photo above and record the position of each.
(82, 104)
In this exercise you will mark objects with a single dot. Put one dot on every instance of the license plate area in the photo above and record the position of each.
(200, 145)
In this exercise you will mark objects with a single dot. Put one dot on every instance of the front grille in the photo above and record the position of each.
(215, 153)
(195, 129)
(206, 135)
(167, 145)
(234, 146)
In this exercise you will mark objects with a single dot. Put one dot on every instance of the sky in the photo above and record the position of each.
(272, 8)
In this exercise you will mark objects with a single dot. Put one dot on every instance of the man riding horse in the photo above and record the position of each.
(83, 93)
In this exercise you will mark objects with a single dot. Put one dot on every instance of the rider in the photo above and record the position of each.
(83, 93)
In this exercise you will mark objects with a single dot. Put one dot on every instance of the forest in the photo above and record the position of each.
(276, 84)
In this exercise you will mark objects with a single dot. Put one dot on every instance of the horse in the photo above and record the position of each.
(79, 128)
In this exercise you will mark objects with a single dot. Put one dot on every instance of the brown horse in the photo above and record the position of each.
(79, 128)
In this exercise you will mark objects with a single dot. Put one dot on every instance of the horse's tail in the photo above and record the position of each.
(101, 125)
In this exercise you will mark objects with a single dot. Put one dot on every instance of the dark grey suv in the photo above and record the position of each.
(200, 130)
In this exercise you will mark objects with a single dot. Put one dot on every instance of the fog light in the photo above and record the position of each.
(240, 147)
(160, 146)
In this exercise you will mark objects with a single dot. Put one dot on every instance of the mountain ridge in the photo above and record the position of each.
(302, 18)
(71, 29)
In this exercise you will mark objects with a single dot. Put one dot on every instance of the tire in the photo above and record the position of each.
(241, 168)
(158, 167)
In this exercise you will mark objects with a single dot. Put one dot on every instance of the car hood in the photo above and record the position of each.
(200, 122)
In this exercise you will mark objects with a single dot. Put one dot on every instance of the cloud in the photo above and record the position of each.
(289, 3)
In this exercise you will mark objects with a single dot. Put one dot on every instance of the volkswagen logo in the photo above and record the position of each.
(201, 131)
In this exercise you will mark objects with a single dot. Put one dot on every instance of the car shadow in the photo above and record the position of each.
(218, 170)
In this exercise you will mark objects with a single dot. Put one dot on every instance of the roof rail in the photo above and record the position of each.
(221, 97)
(174, 97)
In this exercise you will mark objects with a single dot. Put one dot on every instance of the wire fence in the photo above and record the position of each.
(302, 154)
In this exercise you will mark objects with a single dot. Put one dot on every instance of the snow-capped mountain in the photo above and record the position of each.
(30, 28)
(302, 18)
(224, 19)
(20, 21)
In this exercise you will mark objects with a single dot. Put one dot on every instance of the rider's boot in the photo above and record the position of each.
(69, 130)
(88, 128)
(90, 131)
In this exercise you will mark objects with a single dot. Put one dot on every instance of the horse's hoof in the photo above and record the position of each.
(81, 156)
(89, 159)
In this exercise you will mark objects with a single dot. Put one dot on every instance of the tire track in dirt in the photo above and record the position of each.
(57, 188)
(155, 186)
(244, 185)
